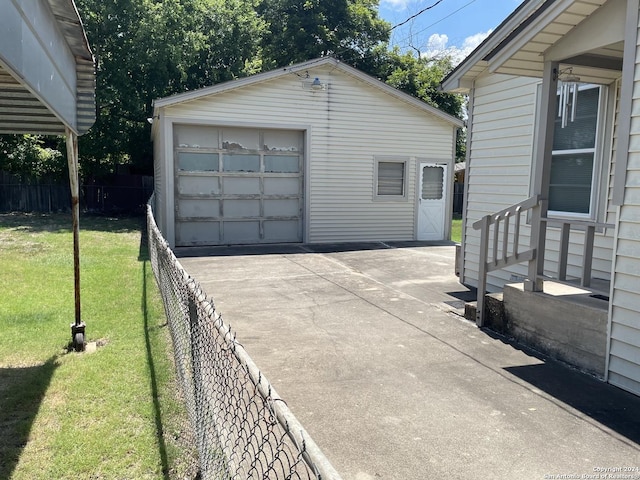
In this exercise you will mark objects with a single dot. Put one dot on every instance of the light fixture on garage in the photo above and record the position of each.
(568, 104)
(315, 86)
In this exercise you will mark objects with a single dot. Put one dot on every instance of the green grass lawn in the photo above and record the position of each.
(456, 229)
(78, 415)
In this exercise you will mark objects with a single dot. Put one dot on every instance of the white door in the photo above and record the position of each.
(432, 196)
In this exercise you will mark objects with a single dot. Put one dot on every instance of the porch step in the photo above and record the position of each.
(567, 323)
(494, 312)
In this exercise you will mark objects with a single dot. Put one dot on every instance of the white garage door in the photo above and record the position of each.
(237, 186)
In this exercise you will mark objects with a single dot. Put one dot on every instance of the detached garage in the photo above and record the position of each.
(315, 152)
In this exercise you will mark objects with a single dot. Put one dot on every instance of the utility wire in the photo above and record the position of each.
(417, 14)
(438, 21)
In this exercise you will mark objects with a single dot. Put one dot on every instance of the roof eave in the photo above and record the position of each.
(266, 76)
(460, 79)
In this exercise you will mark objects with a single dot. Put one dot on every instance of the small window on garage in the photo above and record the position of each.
(391, 179)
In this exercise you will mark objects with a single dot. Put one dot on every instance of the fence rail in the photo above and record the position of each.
(118, 193)
(243, 428)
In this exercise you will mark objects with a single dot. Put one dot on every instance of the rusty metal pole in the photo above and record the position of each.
(78, 327)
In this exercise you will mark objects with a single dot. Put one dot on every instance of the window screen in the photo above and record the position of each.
(391, 178)
(432, 183)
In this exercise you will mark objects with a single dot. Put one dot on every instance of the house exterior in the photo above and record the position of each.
(315, 152)
(553, 161)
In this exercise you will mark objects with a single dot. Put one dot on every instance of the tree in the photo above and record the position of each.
(32, 156)
(148, 49)
(299, 30)
(145, 50)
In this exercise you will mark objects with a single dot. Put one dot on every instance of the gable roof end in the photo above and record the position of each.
(274, 74)
(584, 35)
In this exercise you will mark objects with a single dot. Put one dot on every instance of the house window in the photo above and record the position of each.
(574, 166)
(391, 178)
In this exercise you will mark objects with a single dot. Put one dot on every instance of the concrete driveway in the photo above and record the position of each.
(367, 345)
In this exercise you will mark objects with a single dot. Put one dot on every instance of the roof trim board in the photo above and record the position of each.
(274, 74)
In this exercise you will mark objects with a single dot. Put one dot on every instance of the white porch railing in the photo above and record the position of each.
(503, 229)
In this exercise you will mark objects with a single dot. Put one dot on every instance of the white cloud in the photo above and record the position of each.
(395, 4)
(437, 42)
(437, 45)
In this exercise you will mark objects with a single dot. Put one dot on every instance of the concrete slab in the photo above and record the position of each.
(368, 346)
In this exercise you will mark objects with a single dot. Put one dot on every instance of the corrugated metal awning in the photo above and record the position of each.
(29, 93)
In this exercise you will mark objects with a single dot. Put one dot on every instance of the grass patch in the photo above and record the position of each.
(70, 415)
(456, 228)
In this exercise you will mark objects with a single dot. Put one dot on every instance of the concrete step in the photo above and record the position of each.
(567, 323)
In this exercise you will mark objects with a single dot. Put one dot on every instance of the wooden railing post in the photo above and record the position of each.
(563, 251)
(587, 256)
(482, 269)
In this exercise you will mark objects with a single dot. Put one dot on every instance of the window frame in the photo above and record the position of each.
(376, 179)
(602, 151)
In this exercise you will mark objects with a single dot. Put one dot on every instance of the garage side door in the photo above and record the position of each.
(237, 186)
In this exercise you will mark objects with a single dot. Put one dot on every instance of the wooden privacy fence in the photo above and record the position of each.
(117, 193)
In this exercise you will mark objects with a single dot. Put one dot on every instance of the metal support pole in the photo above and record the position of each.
(78, 327)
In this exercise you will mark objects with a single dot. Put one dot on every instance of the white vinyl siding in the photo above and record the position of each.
(498, 176)
(624, 335)
(347, 124)
(499, 161)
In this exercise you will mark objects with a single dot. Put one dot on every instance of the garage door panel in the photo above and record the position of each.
(241, 231)
(238, 185)
(195, 136)
(282, 208)
(241, 163)
(281, 230)
(198, 233)
(281, 164)
(240, 139)
(281, 186)
(241, 186)
(194, 208)
(198, 185)
(241, 208)
(198, 162)
(282, 141)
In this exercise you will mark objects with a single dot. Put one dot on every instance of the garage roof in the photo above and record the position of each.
(266, 76)
(47, 69)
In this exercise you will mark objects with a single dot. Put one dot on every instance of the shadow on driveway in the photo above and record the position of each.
(604, 403)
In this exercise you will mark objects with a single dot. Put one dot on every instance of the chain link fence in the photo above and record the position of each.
(241, 427)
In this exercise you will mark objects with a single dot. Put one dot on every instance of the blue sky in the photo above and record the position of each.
(452, 26)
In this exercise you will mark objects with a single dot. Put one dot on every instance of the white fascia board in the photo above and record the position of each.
(605, 27)
(535, 26)
(239, 83)
(455, 81)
